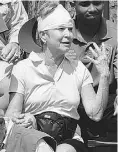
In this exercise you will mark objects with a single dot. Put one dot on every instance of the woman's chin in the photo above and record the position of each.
(66, 49)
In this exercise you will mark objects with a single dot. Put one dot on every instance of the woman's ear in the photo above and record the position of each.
(42, 36)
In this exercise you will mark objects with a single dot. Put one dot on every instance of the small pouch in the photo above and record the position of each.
(60, 128)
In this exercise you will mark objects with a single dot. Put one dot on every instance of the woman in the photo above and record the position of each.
(49, 86)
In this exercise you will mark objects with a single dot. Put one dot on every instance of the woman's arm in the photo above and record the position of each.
(4, 95)
(15, 105)
(14, 111)
(95, 104)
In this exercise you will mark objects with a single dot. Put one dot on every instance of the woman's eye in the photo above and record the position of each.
(61, 29)
(70, 29)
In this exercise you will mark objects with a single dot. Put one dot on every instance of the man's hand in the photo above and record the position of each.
(11, 52)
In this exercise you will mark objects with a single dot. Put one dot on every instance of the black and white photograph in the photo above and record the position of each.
(58, 75)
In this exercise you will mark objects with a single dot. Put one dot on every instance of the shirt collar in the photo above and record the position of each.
(102, 35)
(38, 57)
(35, 57)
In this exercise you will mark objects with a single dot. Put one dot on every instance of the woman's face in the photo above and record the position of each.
(59, 40)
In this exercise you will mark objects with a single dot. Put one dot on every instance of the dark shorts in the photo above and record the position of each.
(61, 128)
(57, 126)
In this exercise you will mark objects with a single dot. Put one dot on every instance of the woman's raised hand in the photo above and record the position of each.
(100, 58)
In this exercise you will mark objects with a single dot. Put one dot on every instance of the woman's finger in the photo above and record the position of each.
(91, 59)
(26, 124)
(18, 121)
(103, 49)
(21, 116)
(93, 52)
(98, 50)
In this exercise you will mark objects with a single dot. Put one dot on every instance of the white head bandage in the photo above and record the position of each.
(58, 18)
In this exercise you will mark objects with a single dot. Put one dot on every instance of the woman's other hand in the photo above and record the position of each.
(100, 58)
(18, 118)
(26, 120)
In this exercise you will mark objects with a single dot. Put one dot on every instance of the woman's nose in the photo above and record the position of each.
(67, 33)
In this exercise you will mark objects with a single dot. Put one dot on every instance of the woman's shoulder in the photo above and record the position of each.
(22, 64)
(80, 71)
(77, 67)
(21, 68)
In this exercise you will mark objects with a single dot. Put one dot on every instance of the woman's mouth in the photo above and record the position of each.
(66, 43)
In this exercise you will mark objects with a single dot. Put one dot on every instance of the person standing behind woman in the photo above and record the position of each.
(48, 85)
(91, 26)
(14, 16)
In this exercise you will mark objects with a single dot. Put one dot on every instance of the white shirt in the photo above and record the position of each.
(42, 92)
(14, 15)
(5, 69)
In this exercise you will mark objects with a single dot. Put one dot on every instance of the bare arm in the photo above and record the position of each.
(16, 104)
(95, 104)
(14, 111)
(5, 73)
(4, 95)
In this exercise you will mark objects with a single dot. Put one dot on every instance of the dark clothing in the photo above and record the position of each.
(107, 33)
(57, 126)
(62, 129)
